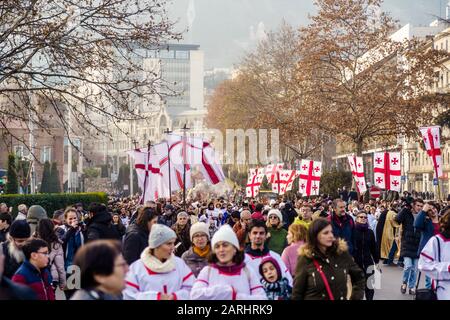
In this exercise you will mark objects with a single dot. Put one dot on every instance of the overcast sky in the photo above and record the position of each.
(225, 29)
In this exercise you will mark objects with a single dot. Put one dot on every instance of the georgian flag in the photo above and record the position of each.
(432, 141)
(387, 170)
(310, 173)
(357, 167)
(271, 171)
(255, 178)
(284, 181)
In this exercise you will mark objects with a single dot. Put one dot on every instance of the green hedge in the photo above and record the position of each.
(52, 202)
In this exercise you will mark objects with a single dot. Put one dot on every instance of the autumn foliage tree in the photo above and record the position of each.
(359, 84)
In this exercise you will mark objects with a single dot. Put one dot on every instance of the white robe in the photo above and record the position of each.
(430, 266)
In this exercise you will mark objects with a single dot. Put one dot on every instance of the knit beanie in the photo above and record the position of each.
(199, 227)
(160, 234)
(277, 213)
(35, 214)
(20, 229)
(225, 233)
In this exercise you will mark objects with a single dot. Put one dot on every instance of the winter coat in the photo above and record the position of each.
(277, 241)
(73, 239)
(120, 229)
(100, 227)
(257, 215)
(13, 291)
(289, 214)
(183, 238)
(424, 225)
(290, 256)
(241, 234)
(3, 234)
(168, 220)
(56, 263)
(253, 259)
(134, 242)
(194, 261)
(237, 282)
(343, 228)
(365, 250)
(279, 290)
(434, 268)
(11, 264)
(410, 237)
(143, 282)
(336, 266)
(38, 280)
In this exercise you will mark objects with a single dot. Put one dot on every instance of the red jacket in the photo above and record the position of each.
(38, 280)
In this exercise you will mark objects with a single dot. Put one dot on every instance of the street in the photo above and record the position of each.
(391, 280)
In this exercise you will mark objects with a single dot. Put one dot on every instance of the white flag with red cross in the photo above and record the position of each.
(150, 177)
(357, 167)
(255, 178)
(271, 171)
(432, 141)
(309, 182)
(387, 170)
(284, 181)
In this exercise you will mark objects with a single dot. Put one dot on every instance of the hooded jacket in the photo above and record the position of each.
(134, 242)
(100, 227)
(336, 266)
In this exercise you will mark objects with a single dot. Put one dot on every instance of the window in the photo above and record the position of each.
(19, 151)
(182, 55)
(46, 154)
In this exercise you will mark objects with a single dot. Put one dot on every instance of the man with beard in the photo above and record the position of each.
(19, 233)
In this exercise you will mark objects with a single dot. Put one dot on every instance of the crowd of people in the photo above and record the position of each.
(222, 249)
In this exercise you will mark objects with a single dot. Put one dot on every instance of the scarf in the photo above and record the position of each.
(233, 269)
(279, 290)
(155, 265)
(202, 253)
(257, 252)
(363, 227)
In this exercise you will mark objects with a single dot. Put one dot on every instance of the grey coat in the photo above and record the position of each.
(194, 261)
(56, 262)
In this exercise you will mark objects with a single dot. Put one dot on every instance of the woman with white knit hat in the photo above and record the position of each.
(159, 274)
(227, 277)
(197, 256)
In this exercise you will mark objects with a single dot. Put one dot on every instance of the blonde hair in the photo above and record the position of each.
(299, 232)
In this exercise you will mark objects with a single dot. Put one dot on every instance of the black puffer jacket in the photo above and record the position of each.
(365, 251)
(134, 242)
(11, 265)
(289, 214)
(410, 237)
(100, 227)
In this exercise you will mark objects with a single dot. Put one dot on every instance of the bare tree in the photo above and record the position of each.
(67, 63)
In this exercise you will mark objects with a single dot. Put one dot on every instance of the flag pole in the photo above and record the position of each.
(167, 131)
(149, 145)
(185, 128)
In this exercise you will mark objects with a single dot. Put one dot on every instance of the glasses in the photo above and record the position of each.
(273, 217)
(44, 253)
(362, 217)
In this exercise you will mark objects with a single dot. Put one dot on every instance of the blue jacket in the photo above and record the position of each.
(343, 228)
(423, 224)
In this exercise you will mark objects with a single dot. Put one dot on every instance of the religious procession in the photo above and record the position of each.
(135, 163)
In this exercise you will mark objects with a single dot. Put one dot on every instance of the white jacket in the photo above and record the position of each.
(430, 266)
(144, 284)
(253, 263)
(214, 284)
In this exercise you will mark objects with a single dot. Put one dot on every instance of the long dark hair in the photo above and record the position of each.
(238, 258)
(313, 231)
(46, 231)
(145, 215)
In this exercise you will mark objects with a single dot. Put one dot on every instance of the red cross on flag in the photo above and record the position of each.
(387, 171)
(284, 181)
(271, 171)
(357, 167)
(150, 177)
(255, 178)
(432, 140)
(309, 182)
